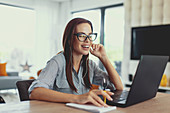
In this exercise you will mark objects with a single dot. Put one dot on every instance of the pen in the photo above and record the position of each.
(104, 97)
(104, 88)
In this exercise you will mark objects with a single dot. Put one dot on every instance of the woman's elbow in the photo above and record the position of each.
(120, 87)
(33, 94)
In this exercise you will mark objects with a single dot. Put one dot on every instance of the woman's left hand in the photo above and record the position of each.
(98, 50)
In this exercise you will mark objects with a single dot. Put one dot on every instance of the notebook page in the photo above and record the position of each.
(91, 108)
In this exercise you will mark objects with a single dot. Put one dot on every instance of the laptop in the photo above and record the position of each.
(145, 84)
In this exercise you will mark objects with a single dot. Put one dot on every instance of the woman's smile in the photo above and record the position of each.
(85, 47)
(82, 47)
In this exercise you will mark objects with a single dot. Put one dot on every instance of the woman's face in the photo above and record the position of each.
(82, 48)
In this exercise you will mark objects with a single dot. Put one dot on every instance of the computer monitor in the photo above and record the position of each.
(150, 40)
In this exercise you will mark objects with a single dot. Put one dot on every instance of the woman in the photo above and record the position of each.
(69, 75)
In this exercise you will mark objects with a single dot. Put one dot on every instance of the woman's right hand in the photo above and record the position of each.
(92, 97)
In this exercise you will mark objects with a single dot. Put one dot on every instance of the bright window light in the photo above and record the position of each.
(114, 35)
(17, 36)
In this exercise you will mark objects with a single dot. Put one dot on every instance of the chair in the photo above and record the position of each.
(23, 89)
(1, 100)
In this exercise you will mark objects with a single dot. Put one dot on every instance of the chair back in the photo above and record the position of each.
(23, 89)
(2, 100)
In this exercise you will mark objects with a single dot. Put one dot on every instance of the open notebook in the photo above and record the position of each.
(91, 108)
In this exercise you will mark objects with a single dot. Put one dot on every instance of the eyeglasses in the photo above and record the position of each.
(82, 37)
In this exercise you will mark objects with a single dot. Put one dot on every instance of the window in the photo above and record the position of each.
(114, 35)
(17, 37)
(110, 22)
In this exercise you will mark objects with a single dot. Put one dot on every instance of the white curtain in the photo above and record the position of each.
(51, 20)
(46, 30)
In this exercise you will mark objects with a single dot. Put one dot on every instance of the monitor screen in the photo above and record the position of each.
(150, 40)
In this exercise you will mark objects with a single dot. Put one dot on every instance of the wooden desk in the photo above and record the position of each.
(159, 104)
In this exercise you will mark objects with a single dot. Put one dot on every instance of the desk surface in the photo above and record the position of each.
(159, 104)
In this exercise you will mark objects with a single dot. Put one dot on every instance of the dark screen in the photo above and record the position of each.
(151, 40)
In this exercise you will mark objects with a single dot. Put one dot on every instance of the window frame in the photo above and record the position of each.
(17, 6)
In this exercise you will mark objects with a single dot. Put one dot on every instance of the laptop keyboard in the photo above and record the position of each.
(120, 96)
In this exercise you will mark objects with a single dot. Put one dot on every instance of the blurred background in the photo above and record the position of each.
(31, 33)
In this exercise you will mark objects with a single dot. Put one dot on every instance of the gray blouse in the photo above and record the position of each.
(53, 76)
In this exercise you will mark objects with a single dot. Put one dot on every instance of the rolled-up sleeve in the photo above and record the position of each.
(47, 76)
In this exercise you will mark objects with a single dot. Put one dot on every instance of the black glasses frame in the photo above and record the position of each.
(87, 36)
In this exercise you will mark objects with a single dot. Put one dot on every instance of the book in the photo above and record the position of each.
(91, 108)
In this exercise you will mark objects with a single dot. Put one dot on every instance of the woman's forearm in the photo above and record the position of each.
(52, 96)
(55, 96)
(114, 76)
